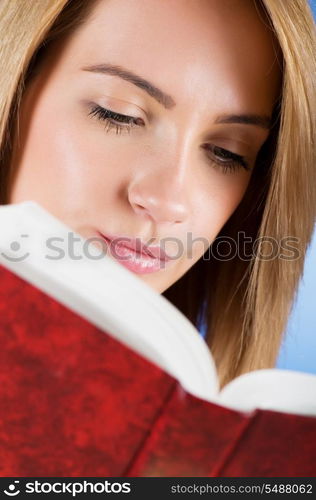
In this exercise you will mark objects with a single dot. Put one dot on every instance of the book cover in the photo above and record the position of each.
(76, 402)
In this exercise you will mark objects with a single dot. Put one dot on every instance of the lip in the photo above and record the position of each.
(138, 246)
(134, 254)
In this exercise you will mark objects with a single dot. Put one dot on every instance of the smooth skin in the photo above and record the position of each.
(164, 175)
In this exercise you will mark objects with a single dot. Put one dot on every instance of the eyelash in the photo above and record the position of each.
(229, 162)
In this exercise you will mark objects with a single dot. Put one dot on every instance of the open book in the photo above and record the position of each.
(112, 298)
(139, 322)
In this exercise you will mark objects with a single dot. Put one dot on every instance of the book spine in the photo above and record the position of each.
(217, 470)
(139, 458)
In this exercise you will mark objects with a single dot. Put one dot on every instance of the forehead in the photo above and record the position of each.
(204, 50)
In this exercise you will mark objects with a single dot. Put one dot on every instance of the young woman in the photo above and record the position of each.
(187, 125)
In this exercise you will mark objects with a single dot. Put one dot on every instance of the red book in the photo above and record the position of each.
(85, 393)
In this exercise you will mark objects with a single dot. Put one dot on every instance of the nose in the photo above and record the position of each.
(160, 194)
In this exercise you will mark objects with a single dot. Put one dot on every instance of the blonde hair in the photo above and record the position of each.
(245, 305)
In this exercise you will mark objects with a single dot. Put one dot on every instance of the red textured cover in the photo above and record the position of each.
(196, 438)
(74, 402)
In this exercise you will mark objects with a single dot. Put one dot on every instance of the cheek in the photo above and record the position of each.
(214, 207)
(61, 160)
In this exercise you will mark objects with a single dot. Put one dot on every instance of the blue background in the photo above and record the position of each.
(298, 351)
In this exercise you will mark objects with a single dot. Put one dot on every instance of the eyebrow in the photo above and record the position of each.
(167, 100)
(109, 69)
(262, 121)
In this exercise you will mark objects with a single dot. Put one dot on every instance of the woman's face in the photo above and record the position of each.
(146, 122)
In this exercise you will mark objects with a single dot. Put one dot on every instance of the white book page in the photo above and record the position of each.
(106, 294)
(273, 389)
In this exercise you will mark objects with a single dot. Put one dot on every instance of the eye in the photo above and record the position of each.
(226, 160)
(115, 120)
